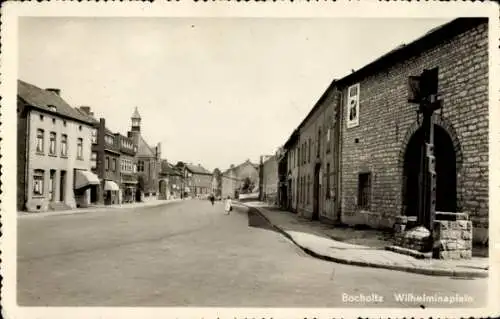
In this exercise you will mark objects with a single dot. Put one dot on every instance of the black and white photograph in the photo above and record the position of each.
(225, 160)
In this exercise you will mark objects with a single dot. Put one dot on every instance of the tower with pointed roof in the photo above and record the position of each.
(136, 121)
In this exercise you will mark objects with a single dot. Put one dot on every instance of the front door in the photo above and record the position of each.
(315, 215)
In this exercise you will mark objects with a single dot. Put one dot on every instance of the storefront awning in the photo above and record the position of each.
(85, 178)
(111, 186)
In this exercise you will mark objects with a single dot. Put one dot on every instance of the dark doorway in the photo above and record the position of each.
(62, 187)
(446, 172)
(315, 215)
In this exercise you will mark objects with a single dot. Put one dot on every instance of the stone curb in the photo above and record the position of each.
(87, 210)
(418, 270)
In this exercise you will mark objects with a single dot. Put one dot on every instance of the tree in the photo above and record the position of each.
(218, 179)
(248, 185)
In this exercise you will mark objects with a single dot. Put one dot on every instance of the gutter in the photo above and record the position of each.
(339, 158)
(27, 153)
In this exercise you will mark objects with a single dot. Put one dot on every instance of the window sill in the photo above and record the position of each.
(80, 158)
(52, 155)
(64, 156)
(38, 197)
(40, 153)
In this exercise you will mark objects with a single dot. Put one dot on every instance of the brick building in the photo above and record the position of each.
(173, 180)
(54, 147)
(105, 161)
(201, 180)
(381, 148)
(128, 168)
(148, 160)
(355, 157)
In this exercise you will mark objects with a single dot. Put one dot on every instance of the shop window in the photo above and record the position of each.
(364, 190)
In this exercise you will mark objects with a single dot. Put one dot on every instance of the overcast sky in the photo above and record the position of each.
(212, 91)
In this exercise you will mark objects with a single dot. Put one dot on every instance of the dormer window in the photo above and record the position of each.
(52, 108)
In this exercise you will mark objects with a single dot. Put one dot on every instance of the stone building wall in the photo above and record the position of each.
(387, 121)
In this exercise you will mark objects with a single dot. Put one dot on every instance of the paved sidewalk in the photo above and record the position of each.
(316, 242)
(98, 208)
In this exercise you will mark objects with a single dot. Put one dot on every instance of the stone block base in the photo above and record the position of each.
(417, 239)
(452, 239)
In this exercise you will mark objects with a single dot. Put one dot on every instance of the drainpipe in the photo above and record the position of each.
(339, 157)
(27, 153)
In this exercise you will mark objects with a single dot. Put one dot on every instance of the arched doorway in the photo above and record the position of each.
(446, 172)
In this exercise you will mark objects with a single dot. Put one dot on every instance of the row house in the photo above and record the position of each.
(172, 179)
(354, 159)
(148, 161)
(216, 182)
(54, 152)
(268, 188)
(128, 169)
(230, 184)
(113, 161)
(201, 179)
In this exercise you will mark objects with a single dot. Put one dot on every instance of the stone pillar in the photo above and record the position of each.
(452, 236)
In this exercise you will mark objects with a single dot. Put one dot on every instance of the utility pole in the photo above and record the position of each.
(423, 90)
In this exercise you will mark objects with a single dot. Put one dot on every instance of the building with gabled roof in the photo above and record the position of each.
(148, 160)
(54, 144)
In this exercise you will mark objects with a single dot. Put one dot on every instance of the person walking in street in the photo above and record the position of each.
(228, 207)
(212, 199)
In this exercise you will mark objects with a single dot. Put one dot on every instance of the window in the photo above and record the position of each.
(107, 163)
(39, 141)
(308, 188)
(41, 117)
(353, 106)
(328, 138)
(309, 157)
(93, 160)
(319, 143)
(140, 166)
(114, 165)
(64, 145)
(364, 190)
(109, 139)
(94, 136)
(79, 148)
(38, 182)
(52, 145)
(298, 156)
(327, 180)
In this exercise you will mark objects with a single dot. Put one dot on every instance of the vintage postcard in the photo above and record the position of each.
(249, 159)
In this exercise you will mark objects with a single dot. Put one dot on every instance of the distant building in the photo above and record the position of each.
(268, 191)
(54, 152)
(201, 179)
(233, 178)
(148, 160)
(172, 177)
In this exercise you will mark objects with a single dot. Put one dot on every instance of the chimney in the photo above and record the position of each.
(86, 110)
(56, 91)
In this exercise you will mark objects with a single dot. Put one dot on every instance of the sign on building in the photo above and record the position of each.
(353, 106)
